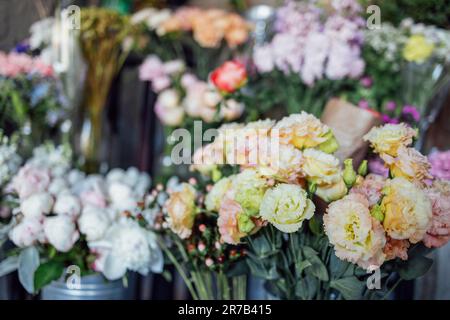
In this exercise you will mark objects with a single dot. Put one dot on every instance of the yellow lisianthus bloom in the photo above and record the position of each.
(417, 49)
(387, 139)
(407, 210)
(306, 131)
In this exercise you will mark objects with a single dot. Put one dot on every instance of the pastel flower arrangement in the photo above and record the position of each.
(316, 51)
(62, 217)
(211, 35)
(295, 213)
(31, 98)
(183, 98)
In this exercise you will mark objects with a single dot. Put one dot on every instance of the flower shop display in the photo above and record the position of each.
(31, 98)
(105, 38)
(203, 38)
(316, 53)
(374, 232)
(63, 219)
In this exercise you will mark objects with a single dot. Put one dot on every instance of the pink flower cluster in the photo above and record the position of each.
(312, 47)
(440, 164)
(158, 72)
(15, 64)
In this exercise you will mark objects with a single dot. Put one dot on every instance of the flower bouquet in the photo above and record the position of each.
(212, 36)
(190, 239)
(31, 99)
(63, 220)
(315, 230)
(315, 52)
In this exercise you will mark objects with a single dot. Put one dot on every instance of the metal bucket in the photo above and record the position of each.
(92, 287)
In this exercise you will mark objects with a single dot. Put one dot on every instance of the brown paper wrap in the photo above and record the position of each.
(349, 124)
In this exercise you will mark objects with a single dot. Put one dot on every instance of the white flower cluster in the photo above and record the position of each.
(9, 160)
(59, 204)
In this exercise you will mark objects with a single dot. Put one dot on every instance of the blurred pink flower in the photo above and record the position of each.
(440, 164)
(438, 234)
(30, 180)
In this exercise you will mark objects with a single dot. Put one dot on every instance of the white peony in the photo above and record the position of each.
(67, 204)
(93, 223)
(127, 246)
(37, 205)
(27, 232)
(61, 232)
(121, 196)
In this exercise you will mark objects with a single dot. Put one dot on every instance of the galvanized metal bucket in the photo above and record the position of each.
(92, 287)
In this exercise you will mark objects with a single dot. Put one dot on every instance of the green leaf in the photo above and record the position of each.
(302, 265)
(46, 273)
(306, 288)
(28, 263)
(258, 269)
(315, 226)
(338, 267)
(9, 265)
(19, 106)
(351, 288)
(414, 267)
(317, 267)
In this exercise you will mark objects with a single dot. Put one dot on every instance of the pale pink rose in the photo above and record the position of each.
(30, 180)
(228, 221)
(438, 234)
(396, 249)
(371, 187)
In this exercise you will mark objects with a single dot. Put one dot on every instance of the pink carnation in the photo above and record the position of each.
(371, 188)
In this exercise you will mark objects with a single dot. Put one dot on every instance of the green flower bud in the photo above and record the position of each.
(377, 213)
(216, 175)
(362, 169)
(245, 224)
(329, 146)
(312, 187)
(349, 173)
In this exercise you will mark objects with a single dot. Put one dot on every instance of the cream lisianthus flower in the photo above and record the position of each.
(286, 206)
(305, 131)
(356, 236)
(249, 187)
(407, 210)
(409, 164)
(282, 164)
(217, 194)
(387, 139)
(320, 167)
(417, 48)
(181, 210)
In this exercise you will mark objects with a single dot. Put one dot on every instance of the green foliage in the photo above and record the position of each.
(46, 273)
(435, 12)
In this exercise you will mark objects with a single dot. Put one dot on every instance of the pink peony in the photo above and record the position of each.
(438, 234)
(30, 180)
